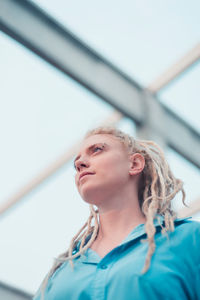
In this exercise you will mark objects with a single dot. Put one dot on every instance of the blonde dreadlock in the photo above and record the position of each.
(157, 188)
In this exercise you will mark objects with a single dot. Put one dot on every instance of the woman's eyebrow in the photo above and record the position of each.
(89, 148)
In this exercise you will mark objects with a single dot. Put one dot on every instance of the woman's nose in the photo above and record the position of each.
(81, 164)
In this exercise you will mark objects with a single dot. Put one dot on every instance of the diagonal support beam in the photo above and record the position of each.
(37, 31)
(32, 27)
(37, 180)
(174, 71)
(50, 170)
(10, 292)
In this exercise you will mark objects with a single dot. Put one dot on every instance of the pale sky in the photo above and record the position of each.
(44, 112)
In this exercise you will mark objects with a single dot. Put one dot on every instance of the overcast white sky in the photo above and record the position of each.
(43, 113)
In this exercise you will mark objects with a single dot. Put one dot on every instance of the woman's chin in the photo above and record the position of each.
(92, 197)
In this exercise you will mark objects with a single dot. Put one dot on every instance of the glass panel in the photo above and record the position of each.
(142, 37)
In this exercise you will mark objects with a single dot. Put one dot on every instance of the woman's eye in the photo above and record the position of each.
(96, 149)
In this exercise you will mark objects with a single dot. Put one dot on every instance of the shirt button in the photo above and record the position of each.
(104, 267)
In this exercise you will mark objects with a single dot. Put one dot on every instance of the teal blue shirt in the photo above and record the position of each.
(174, 272)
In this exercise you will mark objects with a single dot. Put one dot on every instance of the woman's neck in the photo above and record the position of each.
(115, 225)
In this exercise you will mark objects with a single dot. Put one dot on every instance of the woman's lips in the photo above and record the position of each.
(85, 174)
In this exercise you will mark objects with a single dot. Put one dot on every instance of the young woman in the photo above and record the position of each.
(132, 246)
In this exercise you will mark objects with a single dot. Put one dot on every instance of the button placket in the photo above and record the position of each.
(100, 281)
(103, 267)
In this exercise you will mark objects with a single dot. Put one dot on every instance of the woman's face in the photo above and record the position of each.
(102, 168)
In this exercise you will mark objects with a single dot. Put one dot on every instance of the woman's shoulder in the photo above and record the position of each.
(183, 243)
(187, 227)
(187, 235)
(187, 224)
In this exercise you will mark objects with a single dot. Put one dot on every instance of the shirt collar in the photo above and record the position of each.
(91, 256)
(140, 229)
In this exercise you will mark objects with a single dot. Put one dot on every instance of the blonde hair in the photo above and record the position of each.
(157, 187)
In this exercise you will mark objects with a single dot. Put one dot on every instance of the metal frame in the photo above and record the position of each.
(10, 292)
(32, 27)
(29, 25)
(39, 32)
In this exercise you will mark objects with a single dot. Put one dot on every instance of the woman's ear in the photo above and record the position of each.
(137, 163)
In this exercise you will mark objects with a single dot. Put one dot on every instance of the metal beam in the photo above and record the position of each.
(39, 32)
(8, 292)
(33, 28)
(29, 25)
(163, 124)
